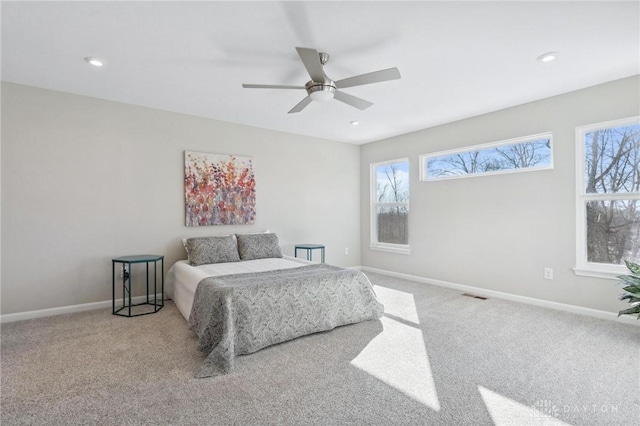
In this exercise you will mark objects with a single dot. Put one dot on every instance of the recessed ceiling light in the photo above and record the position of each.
(94, 61)
(355, 123)
(547, 57)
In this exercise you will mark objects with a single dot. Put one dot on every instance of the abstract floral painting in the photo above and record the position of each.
(219, 189)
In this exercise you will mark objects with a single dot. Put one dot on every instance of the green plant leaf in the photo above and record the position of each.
(634, 310)
(630, 297)
(633, 267)
(630, 279)
(632, 289)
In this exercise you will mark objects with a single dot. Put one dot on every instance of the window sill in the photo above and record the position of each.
(391, 248)
(594, 272)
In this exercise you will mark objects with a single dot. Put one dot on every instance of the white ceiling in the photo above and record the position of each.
(457, 59)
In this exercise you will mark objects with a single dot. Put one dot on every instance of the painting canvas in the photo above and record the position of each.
(219, 189)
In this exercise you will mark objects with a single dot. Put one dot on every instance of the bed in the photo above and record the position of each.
(239, 295)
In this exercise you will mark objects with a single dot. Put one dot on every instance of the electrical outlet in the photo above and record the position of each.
(124, 272)
(548, 273)
(346, 250)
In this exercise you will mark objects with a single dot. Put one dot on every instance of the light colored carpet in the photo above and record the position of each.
(436, 357)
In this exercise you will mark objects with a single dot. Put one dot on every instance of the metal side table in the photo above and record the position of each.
(309, 248)
(127, 284)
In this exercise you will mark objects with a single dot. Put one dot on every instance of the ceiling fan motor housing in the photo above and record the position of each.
(321, 92)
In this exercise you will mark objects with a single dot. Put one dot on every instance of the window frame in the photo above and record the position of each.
(583, 267)
(374, 244)
(424, 175)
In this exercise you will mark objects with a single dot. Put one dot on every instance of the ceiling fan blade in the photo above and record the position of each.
(301, 105)
(270, 86)
(351, 100)
(311, 60)
(372, 77)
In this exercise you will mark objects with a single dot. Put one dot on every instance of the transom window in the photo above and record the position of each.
(608, 197)
(510, 156)
(390, 206)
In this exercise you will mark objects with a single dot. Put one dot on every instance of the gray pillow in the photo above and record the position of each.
(258, 246)
(205, 250)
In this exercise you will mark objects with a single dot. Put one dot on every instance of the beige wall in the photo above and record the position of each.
(85, 180)
(500, 232)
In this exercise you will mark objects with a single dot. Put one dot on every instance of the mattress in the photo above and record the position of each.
(183, 279)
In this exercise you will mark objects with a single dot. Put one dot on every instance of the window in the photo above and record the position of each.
(514, 155)
(390, 206)
(608, 197)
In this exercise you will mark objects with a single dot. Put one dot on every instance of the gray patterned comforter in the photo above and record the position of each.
(240, 314)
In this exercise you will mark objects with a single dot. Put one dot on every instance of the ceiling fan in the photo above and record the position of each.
(322, 89)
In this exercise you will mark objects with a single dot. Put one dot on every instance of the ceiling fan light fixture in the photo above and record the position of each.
(321, 96)
(321, 92)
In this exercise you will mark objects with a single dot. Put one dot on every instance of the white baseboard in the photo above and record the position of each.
(67, 309)
(512, 297)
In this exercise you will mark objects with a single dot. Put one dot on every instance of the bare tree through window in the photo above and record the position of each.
(612, 194)
(391, 207)
(500, 157)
